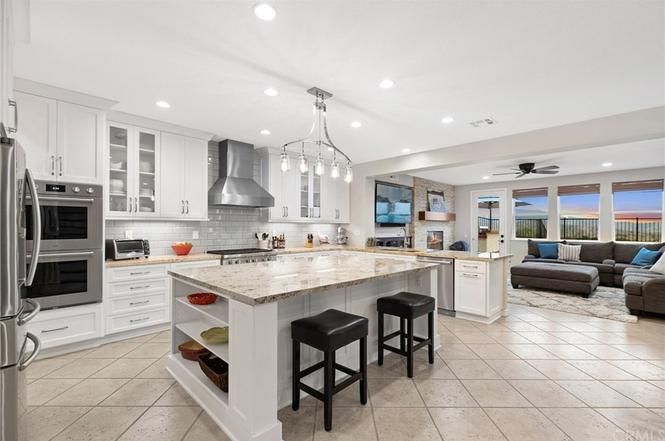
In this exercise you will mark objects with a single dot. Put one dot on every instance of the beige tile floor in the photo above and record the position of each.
(534, 375)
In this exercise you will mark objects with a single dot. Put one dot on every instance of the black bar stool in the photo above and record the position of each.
(408, 307)
(327, 332)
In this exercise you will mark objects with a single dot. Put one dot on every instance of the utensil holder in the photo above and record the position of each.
(263, 244)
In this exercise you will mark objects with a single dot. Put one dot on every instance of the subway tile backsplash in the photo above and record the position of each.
(227, 227)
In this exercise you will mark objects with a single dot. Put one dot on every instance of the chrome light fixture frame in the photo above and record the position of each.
(320, 130)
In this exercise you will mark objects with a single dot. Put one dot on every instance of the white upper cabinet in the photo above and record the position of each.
(304, 197)
(38, 132)
(8, 112)
(133, 164)
(63, 141)
(184, 177)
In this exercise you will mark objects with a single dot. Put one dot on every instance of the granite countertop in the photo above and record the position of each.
(266, 282)
(157, 260)
(463, 255)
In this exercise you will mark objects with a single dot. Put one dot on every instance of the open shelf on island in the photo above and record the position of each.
(193, 373)
(194, 328)
(218, 311)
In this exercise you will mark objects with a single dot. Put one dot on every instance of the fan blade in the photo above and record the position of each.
(509, 173)
(549, 167)
(520, 175)
(540, 171)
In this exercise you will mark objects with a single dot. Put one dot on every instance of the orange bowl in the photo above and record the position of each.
(202, 298)
(182, 249)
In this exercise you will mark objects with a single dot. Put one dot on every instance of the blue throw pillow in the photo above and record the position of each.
(646, 257)
(548, 250)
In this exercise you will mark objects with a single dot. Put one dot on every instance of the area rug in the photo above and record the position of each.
(605, 302)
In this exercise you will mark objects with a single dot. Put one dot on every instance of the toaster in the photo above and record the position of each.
(120, 249)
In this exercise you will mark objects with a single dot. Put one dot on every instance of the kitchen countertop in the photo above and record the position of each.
(157, 260)
(464, 255)
(266, 282)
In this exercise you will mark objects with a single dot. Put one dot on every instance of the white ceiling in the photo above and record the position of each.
(630, 156)
(528, 64)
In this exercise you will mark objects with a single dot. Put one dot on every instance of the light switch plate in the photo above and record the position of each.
(129, 234)
(195, 234)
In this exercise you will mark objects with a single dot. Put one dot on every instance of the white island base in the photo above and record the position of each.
(259, 349)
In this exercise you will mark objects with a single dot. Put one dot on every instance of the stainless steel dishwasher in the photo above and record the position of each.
(445, 282)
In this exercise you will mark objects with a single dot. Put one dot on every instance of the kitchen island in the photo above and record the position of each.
(258, 302)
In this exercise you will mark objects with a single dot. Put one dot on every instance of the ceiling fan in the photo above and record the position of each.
(530, 168)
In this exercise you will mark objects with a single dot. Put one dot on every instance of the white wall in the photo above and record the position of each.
(518, 246)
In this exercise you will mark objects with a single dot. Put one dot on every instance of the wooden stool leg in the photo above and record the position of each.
(430, 336)
(295, 401)
(402, 337)
(380, 360)
(409, 349)
(328, 385)
(363, 370)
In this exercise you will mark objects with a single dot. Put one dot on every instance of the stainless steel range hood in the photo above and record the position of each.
(236, 185)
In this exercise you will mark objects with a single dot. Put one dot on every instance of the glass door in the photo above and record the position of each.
(118, 174)
(304, 195)
(316, 196)
(488, 221)
(147, 171)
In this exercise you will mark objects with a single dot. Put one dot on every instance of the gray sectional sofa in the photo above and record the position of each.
(645, 290)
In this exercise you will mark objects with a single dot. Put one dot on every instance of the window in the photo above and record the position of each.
(578, 211)
(530, 213)
(638, 210)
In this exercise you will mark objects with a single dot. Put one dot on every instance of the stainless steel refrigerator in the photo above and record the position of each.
(16, 353)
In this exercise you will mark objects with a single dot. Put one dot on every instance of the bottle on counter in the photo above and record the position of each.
(310, 241)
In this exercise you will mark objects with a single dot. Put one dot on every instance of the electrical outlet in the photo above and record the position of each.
(195, 234)
(129, 234)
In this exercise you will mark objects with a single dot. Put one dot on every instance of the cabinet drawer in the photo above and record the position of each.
(138, 320)
(137, 302)
(137, 287)
(57, 328)
(137, 272)
(199, 264)
(470, 266)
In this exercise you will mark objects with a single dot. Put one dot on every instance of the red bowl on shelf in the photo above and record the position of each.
(182, 249)
(202, 298)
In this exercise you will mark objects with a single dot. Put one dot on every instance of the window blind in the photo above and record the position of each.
(579, 189)
(526, 192)
(653, 184)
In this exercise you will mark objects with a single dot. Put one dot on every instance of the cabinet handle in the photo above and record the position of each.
(60, 161)
(287, 211)
(136, 205)
(139, 273)
(142, 319)
(131, 288)
(12, 103)
(187, 205)
(471, 276)
(182, 206)
(44, 331)
(139, 303)
(53, 165)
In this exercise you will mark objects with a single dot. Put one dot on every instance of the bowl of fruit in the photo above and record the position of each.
(182, 248)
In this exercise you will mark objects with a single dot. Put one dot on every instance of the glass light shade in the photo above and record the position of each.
(348, 174)
(319, 167)
(303, 166)
(284, 163)
(334, 170)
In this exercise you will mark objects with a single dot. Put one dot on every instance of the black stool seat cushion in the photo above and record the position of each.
(405, 305)
(330, 329)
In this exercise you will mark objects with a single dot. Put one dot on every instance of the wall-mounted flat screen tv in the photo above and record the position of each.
(393, 204)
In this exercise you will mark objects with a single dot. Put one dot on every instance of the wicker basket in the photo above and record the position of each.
(216, 369)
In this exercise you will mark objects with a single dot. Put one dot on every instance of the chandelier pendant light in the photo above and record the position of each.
(319, 137)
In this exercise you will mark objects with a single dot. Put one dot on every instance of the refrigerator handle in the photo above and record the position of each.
(36, 227)
(25, 318)
(23, 364)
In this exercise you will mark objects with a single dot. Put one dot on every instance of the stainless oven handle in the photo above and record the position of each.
(64, 199)
(23, 364)
(74, 254)
(36, 227)
(25, 318)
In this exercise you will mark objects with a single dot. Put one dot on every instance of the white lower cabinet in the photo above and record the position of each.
(480, 289)
(63, 326)
(470, 293)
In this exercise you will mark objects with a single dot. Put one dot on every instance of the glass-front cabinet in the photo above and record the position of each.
(310, 195)
(132, 171)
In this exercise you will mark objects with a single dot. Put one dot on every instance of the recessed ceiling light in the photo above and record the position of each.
(485, 178)
(265, 12)
(265, 132)
(386, 84)
(330, 149)
(271, 92)
(406, 150)
(447, 119)
(356, 124)
(163, 104)
(606, 164)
